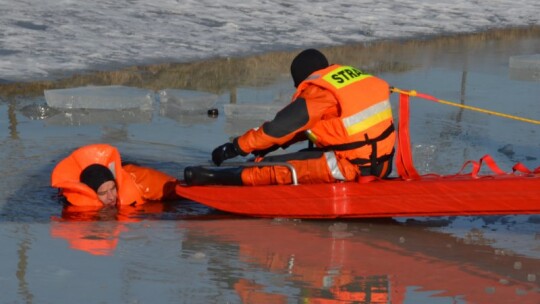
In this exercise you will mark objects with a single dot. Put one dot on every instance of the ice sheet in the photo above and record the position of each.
(100, 97)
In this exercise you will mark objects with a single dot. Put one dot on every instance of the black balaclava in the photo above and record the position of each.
(305, 63)
(95, 175)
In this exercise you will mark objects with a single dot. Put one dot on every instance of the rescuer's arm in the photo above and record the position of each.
(286, 128)
(290, 123)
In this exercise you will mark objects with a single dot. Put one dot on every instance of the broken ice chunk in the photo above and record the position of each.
(100, 97)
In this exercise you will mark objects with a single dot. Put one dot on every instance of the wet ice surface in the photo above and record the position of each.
(185, 252)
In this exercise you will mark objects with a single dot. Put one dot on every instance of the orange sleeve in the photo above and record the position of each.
(291, 120)
(153, 184)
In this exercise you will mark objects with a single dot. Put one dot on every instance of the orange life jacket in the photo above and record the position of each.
(364, 130)
(135, 184)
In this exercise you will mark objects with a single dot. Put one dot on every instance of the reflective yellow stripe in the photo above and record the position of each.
(332, 163)
(368, 118)
(344, 76)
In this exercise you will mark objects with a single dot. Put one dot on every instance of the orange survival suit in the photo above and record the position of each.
(345, 113)
(135, 184)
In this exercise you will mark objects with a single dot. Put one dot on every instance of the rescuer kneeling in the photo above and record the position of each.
(343, 112)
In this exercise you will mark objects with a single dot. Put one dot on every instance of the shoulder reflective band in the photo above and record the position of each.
(366, 119)
(344, 76)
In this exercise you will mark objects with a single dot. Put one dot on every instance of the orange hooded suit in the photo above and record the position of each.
(135, 184)
(345, 113)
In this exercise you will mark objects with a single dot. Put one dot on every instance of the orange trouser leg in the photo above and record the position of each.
(309, 171)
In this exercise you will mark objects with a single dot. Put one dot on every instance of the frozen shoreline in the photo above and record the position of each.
(43, 39)
(218, 74)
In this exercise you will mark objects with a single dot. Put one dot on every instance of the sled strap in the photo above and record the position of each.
(521, 168)
(404, 161)
(477, 165)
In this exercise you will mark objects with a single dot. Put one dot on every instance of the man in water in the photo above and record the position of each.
(93, 176)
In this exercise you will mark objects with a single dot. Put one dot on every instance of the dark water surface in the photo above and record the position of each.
(183, 252)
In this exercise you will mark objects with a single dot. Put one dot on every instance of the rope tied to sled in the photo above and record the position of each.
(414, 93)
(404, 160)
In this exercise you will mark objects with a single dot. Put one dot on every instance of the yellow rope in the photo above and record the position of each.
(414, 93)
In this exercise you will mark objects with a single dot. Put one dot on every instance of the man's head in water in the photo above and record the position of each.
(100, 179)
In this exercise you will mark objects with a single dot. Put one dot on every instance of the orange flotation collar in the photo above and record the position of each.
(66, 174)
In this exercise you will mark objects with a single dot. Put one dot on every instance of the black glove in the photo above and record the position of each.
(224, 152)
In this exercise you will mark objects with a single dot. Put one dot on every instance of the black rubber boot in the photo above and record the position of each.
(200, 175)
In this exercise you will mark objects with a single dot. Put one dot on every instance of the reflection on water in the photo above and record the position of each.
(368, 262)
(220, 258)
(12, 118)
(22, 266)
(88, 116)
(97, 231)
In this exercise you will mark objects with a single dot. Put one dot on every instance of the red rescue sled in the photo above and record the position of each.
(389, 198)
(409, 195)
